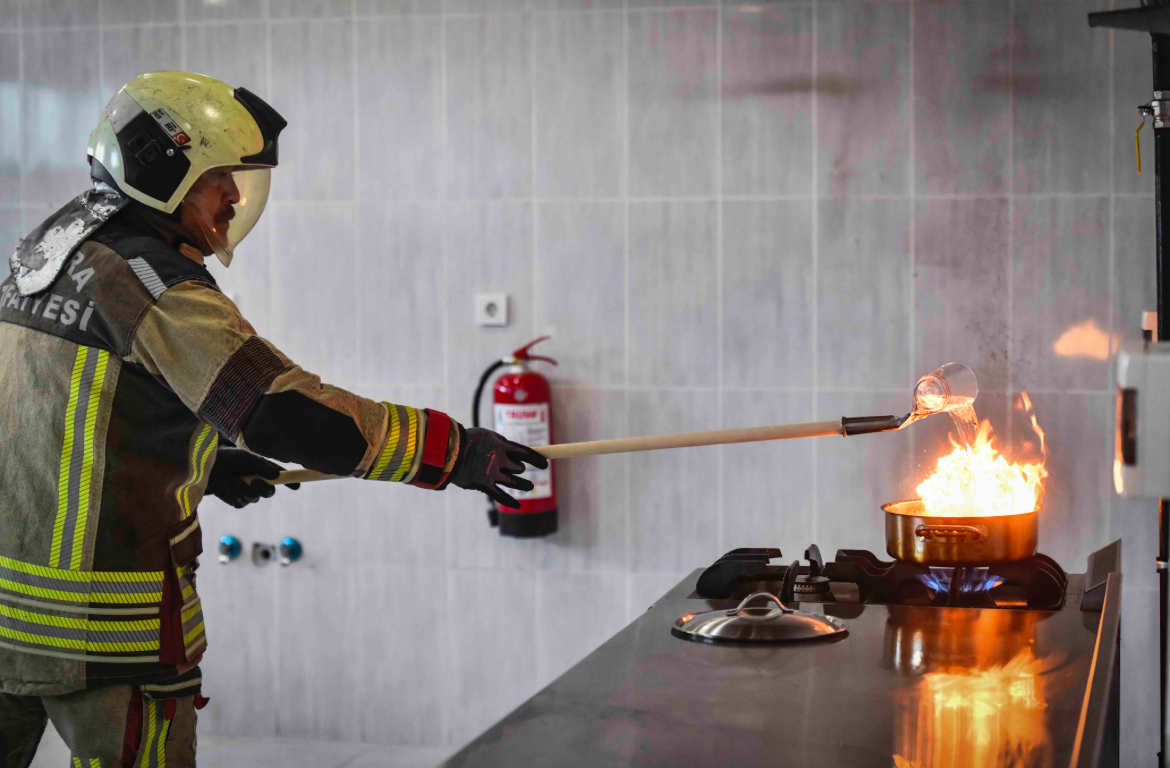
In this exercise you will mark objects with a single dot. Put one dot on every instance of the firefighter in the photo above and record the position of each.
(122, 368)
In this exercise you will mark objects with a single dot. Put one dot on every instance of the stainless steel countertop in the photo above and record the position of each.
(900, 689)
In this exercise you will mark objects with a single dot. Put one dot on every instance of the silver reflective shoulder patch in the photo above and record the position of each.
(148, 276)
(41, 256)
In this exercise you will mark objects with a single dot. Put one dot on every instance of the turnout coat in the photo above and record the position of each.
(122, 366)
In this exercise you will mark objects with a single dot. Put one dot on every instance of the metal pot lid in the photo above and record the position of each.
(774, 623)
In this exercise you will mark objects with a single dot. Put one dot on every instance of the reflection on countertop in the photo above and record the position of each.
(910, 686)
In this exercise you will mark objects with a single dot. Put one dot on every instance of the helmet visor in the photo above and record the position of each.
(253, 185)
(228, 202)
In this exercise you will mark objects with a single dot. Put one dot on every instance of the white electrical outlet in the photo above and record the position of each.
(491, 309)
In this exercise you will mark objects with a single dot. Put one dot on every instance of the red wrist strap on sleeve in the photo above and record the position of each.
(434, 450)
(460, 446)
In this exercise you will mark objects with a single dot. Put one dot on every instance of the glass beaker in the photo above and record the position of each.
(951, 388)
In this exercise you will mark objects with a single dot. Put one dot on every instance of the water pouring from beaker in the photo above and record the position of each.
(951, 389)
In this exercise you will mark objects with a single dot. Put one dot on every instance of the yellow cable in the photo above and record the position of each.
(1137, 144)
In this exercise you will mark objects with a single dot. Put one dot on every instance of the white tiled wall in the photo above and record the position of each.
(728, 214)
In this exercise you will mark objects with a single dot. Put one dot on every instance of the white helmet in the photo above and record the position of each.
(163, 130)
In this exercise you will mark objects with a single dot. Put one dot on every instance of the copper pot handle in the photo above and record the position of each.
(969, 532)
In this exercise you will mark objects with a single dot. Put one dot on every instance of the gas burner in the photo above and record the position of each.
(857, 576)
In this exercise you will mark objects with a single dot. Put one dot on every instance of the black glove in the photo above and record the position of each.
(488, 460)
(231, 466)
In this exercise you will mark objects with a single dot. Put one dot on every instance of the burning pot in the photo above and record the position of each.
(976, 508)
(914, 535)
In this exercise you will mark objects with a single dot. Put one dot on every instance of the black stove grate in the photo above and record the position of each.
(858, 576)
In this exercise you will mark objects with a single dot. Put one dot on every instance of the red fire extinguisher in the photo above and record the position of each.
(522, 412)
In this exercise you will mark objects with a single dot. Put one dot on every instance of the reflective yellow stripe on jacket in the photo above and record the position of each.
(401, 444)
(194, 633)
(46, 611)
(79, 634)
(201, 450)
(80, 587)
(77, 457)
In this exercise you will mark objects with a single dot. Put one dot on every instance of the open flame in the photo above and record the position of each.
(971, 580)
(978, 481)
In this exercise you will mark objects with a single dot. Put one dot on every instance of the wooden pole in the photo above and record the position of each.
(690, 440)
(633, 444)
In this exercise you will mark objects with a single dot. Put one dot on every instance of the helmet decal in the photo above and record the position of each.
(170, 126)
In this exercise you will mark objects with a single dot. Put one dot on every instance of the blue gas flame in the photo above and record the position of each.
(976, 580)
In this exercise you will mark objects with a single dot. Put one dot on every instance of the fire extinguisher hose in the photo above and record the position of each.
(493, 514)
(483, 380)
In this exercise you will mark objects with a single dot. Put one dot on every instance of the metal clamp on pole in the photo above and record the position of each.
(864, 425)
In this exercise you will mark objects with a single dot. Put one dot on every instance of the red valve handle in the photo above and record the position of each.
(522, 352)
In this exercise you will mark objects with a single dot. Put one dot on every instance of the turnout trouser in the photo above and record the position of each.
(121, 726)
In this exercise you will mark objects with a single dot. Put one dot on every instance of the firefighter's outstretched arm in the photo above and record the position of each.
(195, 338)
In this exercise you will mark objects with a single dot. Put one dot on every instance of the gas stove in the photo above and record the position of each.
(1001, 665)
(857, 576)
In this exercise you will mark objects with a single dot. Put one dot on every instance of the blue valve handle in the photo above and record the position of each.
(290, 550)
(229, 548)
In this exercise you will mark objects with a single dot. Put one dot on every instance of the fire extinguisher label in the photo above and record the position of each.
(527, 425)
